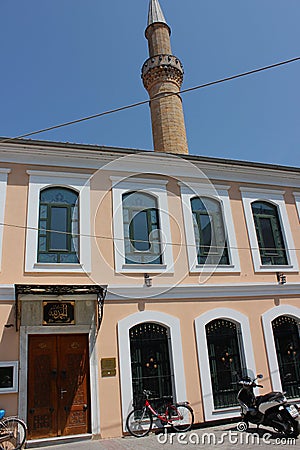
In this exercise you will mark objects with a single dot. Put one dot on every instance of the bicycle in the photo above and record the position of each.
(13, 432)
(139, 421)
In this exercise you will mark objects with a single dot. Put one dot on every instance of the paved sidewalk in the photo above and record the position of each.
(219, 437)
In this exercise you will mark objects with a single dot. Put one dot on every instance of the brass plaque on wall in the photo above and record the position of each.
(58, 313)
(108, 367)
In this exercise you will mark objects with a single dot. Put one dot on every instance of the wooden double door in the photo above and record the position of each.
(58, 385)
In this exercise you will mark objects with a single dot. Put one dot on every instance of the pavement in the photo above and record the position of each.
(221, 437)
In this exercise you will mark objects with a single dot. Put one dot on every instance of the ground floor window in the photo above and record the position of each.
(287, 343)
(150, 359)
(225, 360)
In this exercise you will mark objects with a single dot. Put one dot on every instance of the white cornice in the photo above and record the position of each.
(45, 173)
(186, 292)
(119, 181)
(150, 163)
(268, 192)
(203, 186)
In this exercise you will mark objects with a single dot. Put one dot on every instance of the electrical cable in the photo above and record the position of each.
(133, 105)
(111, 238)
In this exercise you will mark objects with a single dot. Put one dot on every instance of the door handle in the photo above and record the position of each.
(62, 392)
(85, 407)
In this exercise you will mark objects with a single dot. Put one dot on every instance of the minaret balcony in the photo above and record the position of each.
(162, 68)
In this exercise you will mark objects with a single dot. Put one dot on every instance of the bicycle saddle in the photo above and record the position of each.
(2, 413)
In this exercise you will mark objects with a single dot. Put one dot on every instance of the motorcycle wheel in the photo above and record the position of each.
(293, 429)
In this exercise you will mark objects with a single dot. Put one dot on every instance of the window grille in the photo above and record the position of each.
(287, 343)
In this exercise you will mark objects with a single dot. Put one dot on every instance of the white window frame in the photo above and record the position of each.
(220, 194)
(267, 319)
(39, 180)
(297, 200)
(250, 195)
(15, 366)
(210, 413)
(156, 188)
(3, 185)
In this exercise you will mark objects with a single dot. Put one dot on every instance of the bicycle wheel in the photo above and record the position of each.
(17, 431)
(182, 417)
(139, 422)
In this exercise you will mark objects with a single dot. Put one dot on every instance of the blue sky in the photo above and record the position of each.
(64, 59)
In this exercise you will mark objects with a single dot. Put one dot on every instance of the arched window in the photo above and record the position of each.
(287, 344)
(225, 360)
(150, 359)
(269, 233)
(209, 231)
(141, 229)
(58, 235)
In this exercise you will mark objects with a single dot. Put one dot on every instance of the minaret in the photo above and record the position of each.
(162, 74)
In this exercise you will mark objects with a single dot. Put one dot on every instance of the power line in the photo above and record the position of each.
(133, 105)
(176, 244)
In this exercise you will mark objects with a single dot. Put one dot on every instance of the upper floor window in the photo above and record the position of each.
(58, 226)
(141, 229)
(209, 228)
(58, 235)
(269, 234)
(209, 231)
(141, 225)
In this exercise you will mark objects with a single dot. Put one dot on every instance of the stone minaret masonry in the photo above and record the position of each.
(162, 74)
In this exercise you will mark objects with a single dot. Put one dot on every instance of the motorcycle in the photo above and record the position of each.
(270, 409)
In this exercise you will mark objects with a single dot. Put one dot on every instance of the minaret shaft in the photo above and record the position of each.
(162, 76)
(158, 37)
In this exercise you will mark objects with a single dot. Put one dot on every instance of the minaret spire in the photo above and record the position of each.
(155, 13)
(162, 75)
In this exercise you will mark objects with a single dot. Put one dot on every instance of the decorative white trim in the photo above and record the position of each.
(210, 413)
(276, 197)
(267, 318)
(186, 291)
(124, 326)
(262, 191)
(3, 184)
(157, 188)
(39, 180)
(219, 193)
(297, 200)
(15, 366)
(95, 157)
(7, 292)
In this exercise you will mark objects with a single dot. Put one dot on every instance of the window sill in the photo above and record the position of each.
(207, 268)
(144, 268)
(8, 391)
(273, 268)
(226, 410)
(56, 267)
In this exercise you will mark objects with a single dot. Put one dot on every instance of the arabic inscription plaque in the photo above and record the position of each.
(57, 313)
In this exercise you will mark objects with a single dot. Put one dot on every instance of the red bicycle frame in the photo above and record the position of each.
(164, 418)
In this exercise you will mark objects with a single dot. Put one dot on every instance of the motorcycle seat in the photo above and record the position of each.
(267, 397)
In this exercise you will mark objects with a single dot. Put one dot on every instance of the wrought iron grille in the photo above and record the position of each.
(150, 360)
(225, 359)
(287, 343)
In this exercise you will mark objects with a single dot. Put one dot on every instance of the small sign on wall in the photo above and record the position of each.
(108, 367)
(57, 313)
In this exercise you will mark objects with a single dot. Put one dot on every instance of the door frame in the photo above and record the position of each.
(25, 331)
